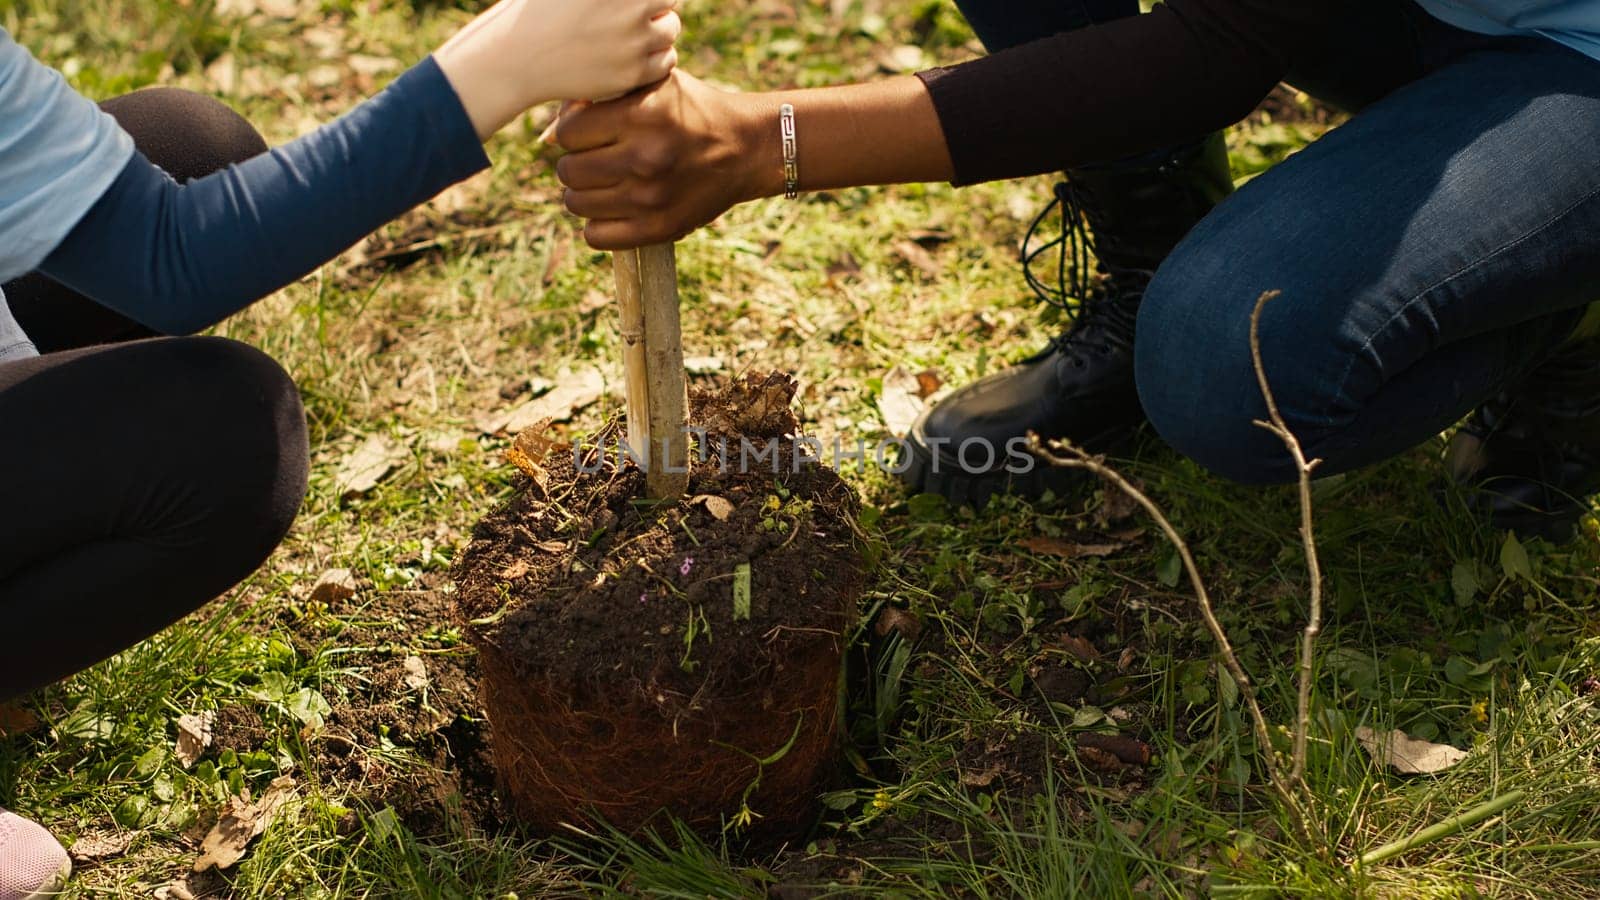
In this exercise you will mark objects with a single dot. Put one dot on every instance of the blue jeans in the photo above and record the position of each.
(1430, 251)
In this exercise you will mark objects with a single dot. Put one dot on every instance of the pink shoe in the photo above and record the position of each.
(33, 865)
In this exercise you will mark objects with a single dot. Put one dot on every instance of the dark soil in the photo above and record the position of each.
(448, 788)
(622, 677)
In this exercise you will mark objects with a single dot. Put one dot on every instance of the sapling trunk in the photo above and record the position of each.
(657, 394)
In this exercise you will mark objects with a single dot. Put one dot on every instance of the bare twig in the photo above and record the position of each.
(1290, 786)
(1076, 458)
(1303, 468)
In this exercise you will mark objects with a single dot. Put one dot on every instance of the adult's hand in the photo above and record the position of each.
(657, 164)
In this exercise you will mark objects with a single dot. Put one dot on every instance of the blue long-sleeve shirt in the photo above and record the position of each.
(58, 154)
(80, 204)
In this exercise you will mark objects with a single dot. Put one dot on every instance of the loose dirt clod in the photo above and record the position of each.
(618, 674)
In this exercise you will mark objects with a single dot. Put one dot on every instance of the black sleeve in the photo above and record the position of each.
(1111, 91)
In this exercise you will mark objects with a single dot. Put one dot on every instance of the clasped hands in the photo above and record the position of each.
(658, 163)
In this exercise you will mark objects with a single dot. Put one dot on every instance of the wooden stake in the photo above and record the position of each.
(625, 266)
(667, 476)
(652, 366)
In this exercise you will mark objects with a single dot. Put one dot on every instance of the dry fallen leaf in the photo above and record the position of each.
(980, 779)
(912, 252)
(416, 672)
(1115, 506)
(559, 242)
(900, 403)
(899, 621)
(719, 508)
(368, 464)
(334, 586)
(515, 570)
(195, 734)
(15, 720)
(277, 9)
(1100, 760)
(530, 449)
(928, 383)
(1079, 647)
(242, 822)
(768, 406)
(901, 58)
(94, 847)
(223, 74)
(1050, 546)
(1406, 754)
(702, 365)
(846, 264)
(535, 441)
(363, 64)
(573, 391)
(177, 890)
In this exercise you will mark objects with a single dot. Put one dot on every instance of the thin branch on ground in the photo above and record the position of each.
(1290, 786)
(1065, 454)
(1303, 469)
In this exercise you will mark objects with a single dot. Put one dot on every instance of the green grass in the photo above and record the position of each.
(972, 784)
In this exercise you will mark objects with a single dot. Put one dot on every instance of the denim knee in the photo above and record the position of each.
(1193, 368)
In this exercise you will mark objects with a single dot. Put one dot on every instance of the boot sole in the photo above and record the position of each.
(1557, 528)
(1524, 521)
(939, 472)
(1555, 531)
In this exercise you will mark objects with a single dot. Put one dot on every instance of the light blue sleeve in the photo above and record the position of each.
(14, 344)
(58, 154)
(1575, 23)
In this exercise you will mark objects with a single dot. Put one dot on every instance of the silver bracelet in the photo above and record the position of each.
(791, 152)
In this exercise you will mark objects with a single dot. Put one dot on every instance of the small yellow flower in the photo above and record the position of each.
(743, 818)
(881, 801)
(1480, 712)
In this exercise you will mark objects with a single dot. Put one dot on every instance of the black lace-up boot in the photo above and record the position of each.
(1530, 456)
(1129, 216)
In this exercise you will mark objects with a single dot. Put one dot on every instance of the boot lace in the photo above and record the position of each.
(1100, 314)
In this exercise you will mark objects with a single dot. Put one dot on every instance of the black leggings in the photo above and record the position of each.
(140, 477)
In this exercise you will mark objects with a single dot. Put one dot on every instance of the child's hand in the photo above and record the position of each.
(590, 49)
(521, 53)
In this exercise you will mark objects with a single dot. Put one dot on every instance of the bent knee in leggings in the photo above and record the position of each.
(256, 430)
(148, 478)
(188, 135)
(212, 428)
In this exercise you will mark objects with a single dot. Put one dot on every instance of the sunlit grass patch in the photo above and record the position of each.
(969, 769)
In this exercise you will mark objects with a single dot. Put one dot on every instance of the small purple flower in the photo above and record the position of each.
(644, 598)
(688, 563)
